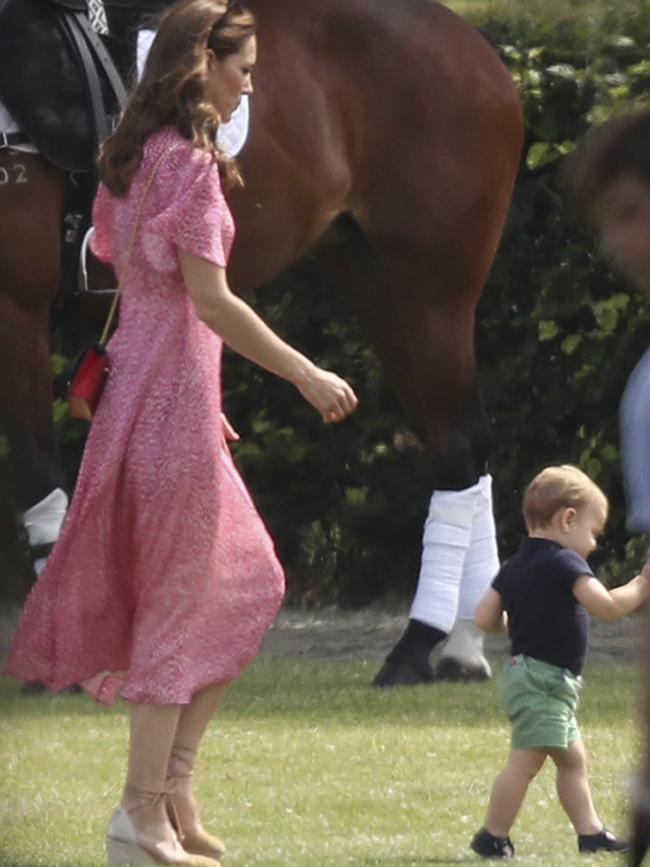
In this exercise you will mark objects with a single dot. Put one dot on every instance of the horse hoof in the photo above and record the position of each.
(455, 670)
(402, 674)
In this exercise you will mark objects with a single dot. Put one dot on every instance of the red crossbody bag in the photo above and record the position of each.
(91, 369)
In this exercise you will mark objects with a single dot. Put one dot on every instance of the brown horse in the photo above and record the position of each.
(398, 114)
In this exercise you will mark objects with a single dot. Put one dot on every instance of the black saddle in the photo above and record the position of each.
(60, 81)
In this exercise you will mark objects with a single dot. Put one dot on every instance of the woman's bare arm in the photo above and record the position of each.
(244, 331)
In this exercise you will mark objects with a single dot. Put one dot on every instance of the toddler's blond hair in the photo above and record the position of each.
(557, 488)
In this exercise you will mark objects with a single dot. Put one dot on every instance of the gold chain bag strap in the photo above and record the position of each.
(90, 371)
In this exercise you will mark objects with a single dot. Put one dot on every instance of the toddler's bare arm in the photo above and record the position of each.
(612, 604)
(489, 615)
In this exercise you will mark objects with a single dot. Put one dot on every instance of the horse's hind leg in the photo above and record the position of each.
(435, 247)
(459, 472)
(30, 221)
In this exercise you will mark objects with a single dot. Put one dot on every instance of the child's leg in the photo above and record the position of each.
(574, 792)
(509, 789)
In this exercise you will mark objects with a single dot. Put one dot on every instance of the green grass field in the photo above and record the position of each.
(307, 766)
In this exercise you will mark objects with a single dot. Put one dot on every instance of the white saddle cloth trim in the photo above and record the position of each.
(231, 136)
(9, 125)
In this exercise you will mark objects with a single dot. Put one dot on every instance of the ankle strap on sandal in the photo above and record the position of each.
(186, 756)
(149, 799)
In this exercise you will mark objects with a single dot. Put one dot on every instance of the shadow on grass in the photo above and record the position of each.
(49, 863)
(403, 862)
(378, 862)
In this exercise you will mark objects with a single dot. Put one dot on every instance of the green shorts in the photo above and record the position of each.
(540, 701)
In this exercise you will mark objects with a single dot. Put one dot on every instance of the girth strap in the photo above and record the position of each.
(104, 58)
(97, 16)
(86, 42)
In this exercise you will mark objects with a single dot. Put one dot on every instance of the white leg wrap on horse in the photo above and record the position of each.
(43, 521)
(447, 533)
(465, 642)
(459, 560)
(482, 558)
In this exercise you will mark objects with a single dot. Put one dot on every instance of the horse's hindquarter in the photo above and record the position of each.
(380, 108)
(295, 165)
(438, 125)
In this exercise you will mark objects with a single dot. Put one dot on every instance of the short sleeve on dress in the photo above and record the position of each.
(191, 212)
(100, 241)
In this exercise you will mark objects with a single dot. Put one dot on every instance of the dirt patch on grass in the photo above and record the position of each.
(370, 634)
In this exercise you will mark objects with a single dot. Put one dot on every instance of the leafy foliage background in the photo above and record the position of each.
(558, 334)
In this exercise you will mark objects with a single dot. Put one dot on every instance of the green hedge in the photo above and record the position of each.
(557, 336)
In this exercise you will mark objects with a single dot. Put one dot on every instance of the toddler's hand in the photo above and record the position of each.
(645, 571)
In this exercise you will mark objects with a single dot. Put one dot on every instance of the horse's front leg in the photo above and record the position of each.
(26, 411)
(31, 198)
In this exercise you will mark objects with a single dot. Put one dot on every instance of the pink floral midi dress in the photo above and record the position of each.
(164, 571)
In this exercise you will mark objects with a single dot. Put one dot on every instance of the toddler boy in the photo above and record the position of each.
(547, 590)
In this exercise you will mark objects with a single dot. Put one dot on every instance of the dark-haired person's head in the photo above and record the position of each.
(608, 182)
(197, 70)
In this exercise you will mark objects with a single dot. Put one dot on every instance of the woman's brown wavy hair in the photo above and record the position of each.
(172, 90)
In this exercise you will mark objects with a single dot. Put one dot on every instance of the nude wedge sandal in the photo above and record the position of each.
(197, 840)
(123, 848)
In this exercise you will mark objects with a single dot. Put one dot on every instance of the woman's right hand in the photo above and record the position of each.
(330, 395)
(242, 329)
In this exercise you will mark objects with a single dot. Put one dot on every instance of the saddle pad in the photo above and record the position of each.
(231, 136)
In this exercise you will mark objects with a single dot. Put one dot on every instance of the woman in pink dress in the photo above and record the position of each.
(164, 579)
